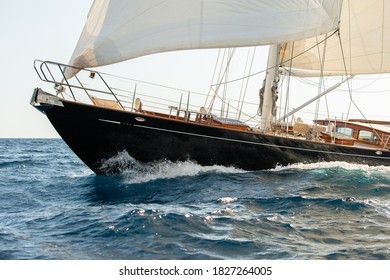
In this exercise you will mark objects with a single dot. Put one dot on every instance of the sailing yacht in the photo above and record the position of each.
(313, 38)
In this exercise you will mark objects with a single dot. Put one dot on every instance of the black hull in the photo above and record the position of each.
(96, 134)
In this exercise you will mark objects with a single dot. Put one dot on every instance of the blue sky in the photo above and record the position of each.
(50, 29)
(39, 29)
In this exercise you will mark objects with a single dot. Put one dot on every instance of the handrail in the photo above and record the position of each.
(48, 76)
(89, 84)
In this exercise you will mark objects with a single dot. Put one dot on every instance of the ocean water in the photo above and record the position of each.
(53, 207)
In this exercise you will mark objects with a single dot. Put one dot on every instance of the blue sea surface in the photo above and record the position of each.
(53, 207)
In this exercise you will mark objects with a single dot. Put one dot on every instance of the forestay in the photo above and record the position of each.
(119, 30)
(362, 48)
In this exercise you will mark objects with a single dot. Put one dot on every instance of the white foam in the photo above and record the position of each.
(79, 173)
(227, 199)
(226, 211)
(208, 218)
(335, 164)
(136, 172)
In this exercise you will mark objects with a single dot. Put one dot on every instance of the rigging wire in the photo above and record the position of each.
(212, 87)
(351, 98)
(321, 83)
(229, 81)
(212, 80)
(246, 85)
(220, 79)
(288, 83)
(348, 83)
(282, 62)
(242, 84)
(225, 88)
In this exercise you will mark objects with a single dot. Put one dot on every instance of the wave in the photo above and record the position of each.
(137, 172)
(339, 167)
(334, 164)
(381, 206)
(227, 199)
(17, 163)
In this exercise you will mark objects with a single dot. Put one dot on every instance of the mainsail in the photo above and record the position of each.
(119, 30)
(362, 45)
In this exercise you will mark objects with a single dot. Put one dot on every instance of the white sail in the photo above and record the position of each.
(119, 30)
(363, 42)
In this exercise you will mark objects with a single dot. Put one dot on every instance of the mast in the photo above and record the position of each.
(269, 93)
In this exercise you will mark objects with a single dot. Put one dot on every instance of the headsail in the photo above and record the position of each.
(119, 30)
(364, 43)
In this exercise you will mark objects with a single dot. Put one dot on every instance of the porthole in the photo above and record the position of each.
(139, 119)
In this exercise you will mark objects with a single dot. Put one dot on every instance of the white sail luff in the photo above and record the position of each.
(118, 30)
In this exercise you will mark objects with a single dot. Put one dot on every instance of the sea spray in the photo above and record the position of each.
(137, 172)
